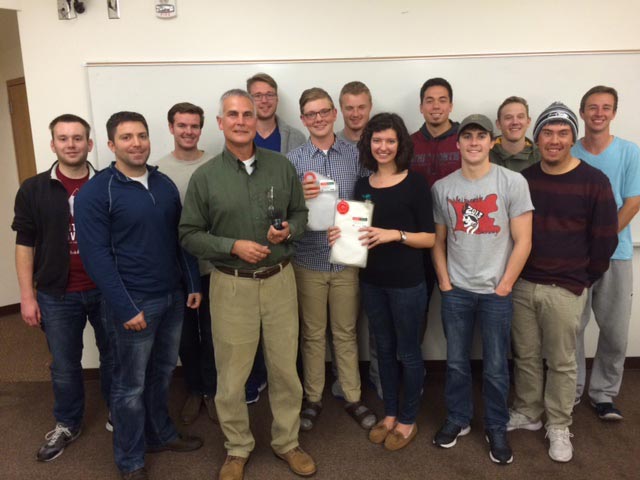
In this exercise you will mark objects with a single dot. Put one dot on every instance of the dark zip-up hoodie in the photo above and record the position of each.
(128, 239)
(41, 221)
(435, 157)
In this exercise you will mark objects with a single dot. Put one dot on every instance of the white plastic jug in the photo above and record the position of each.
(322, 208)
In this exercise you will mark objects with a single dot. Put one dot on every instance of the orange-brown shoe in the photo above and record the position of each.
(300, 462)
(395, 440)
(378, 433)
(233, 468)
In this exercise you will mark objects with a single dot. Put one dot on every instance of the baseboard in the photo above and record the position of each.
(432, 366)
(631, 363)
(436, 366)
(9, 309)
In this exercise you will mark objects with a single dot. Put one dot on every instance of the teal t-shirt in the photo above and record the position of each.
(620, 162)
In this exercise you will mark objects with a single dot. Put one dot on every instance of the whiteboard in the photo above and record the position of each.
(480, 84)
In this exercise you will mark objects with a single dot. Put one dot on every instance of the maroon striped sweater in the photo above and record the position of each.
(575, 227)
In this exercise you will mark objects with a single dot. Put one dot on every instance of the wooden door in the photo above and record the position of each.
(21, 126)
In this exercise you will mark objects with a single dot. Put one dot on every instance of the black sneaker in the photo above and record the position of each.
(56, 440)
(607, 411)
(448, 434)
(499, 449)
(252, 391)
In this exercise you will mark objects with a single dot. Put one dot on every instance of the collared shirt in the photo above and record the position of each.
(224, 204)
(341, 164)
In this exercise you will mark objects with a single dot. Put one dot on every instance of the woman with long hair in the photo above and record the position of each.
(392, 286)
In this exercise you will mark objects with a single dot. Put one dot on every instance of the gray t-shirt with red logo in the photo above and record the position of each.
(477, 214)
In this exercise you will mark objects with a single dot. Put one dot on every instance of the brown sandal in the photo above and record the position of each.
(309, 414)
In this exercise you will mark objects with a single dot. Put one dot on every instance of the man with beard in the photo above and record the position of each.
(127, 219)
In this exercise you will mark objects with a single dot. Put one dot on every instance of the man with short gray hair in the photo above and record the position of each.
(242, 211)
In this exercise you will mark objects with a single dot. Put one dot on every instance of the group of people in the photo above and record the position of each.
(207, 258)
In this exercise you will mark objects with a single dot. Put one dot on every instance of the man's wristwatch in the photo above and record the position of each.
(403, 236)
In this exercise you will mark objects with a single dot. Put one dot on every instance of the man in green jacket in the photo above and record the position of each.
(513, 149)
(241, 212)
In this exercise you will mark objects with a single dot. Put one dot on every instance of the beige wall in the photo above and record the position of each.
(10, 68)
(54, 51)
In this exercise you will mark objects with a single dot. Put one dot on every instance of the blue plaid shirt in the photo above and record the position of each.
(341, 164)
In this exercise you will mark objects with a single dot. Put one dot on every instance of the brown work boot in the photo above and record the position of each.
(191, 409)
(233, 468)
(300, 462)
(210, 405)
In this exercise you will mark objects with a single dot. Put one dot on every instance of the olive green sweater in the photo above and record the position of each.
(518, 162)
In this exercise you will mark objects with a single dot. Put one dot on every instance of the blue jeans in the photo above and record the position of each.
(396, 316)
(196, 346)
(63, 320)
(144, 362)
(460, 309)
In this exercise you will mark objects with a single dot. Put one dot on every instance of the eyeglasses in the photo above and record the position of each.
(324, 113)
(269, 96)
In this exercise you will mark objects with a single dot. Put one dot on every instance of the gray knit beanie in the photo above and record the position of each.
(556, 112)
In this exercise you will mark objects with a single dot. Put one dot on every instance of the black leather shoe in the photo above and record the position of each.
(140, 474)
(182, 443)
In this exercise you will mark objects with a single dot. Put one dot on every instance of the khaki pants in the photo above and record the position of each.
(240, 307)
(546, 319)
(341, 291)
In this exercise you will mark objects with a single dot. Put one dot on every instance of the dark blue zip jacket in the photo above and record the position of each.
(128, 239)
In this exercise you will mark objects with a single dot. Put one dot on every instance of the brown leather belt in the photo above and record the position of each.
(260, 274)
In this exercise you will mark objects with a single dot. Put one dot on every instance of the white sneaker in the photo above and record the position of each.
(560, 448)
(519, 421)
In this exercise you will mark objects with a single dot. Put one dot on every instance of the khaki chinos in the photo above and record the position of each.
(341, 291)
(546, 319)
(240, 309)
